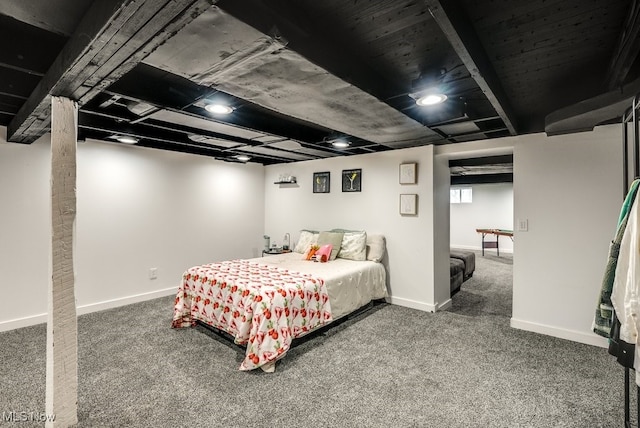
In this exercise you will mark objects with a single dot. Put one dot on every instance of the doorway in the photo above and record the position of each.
(481, 197)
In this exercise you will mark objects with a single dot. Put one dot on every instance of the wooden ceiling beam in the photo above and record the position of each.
(626, 52)
(154, 135)
(458, 29)
(113, 36)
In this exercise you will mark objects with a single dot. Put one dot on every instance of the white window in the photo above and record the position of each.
(455, 196)
(466, 196)
(461, 195)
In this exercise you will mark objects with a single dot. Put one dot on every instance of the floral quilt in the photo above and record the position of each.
(262, 306)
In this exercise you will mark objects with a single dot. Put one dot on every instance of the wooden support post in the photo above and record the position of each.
(62, 329)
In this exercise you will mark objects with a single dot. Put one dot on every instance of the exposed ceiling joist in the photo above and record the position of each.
(481, 179)
(481, 161)
(627, 49)
(458, 29)
(300, 78)
(113, 36)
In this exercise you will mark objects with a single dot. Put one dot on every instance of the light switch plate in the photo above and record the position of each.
(523, 225)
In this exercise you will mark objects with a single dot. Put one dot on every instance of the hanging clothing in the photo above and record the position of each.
(603, 320)
(625, 295)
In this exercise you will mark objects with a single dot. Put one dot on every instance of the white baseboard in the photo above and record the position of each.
(445, 305)
(573, 335)
(23, 322)
(479, 249)
(122, 301)
(465, 247)
(413, 304)
(88, 308)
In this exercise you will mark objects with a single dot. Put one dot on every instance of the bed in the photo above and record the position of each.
(265, 303)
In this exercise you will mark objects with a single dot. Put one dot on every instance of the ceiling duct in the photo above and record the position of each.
(251, 65)
(140, 108)
(213, 141)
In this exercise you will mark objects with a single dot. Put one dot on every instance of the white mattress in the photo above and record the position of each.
(350, 284)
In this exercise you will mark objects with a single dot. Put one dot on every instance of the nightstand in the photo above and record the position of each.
(272, 251)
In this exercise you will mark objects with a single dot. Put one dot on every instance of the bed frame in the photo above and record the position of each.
(370, 307)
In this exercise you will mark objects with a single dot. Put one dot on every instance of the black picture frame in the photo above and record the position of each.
(321, 182)
(351, 180)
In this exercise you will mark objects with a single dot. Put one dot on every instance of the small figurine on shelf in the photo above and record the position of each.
(286, 178)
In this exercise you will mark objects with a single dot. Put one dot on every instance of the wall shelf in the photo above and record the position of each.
(287, 184)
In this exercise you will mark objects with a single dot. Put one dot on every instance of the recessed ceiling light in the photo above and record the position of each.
(126, 139)
(340, 144)
(431, 99)
(218, 109)
(243, 158)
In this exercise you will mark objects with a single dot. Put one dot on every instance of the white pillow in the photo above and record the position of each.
(306, 240)
(354, 246)
(376, 246)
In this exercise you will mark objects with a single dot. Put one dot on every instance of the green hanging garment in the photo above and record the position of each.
(604, 312)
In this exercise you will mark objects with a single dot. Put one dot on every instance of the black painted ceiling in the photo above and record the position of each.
(302, 74)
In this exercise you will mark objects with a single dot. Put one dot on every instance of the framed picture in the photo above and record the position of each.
(351, 180)
(408, 173)
(409, 204)
(321, 182)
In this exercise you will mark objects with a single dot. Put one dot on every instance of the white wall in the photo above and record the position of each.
(441, 249)
(410, 240)
(569, 188)
(25, 205)
(492, 208)
(141, 208)
(137, 209)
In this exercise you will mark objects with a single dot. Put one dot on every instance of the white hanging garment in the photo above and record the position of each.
(625, 294)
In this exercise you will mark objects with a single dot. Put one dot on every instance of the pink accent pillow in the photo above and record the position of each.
(324, 253)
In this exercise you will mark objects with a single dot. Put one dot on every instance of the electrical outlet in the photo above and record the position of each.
(153, 273)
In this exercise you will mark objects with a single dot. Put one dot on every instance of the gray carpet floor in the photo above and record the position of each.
(390, 366)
